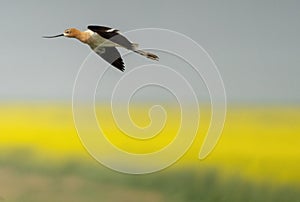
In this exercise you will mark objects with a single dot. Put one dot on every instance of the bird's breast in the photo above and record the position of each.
(96, 40)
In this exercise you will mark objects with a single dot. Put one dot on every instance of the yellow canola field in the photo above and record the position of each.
(258, 142)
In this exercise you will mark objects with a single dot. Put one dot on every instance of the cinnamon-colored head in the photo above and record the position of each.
(72, 33)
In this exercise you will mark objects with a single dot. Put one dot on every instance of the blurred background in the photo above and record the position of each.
(255, 45)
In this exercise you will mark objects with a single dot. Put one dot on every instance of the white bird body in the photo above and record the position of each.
(96, 41)
(104, 40)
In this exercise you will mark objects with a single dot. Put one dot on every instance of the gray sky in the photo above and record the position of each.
(255, 43)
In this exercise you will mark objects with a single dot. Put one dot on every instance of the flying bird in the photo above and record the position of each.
(103, 41)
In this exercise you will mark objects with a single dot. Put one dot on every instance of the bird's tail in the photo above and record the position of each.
(144, 53)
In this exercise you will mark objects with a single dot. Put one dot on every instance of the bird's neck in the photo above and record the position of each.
(83, 36)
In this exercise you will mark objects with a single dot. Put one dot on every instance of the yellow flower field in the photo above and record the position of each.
(259, 144)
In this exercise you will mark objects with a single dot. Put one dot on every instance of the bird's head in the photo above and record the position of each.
(71, 33)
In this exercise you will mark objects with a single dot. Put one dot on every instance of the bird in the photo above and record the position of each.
(104, 41)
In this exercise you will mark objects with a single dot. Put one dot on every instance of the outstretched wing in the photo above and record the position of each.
(112, 35)
(112, 56)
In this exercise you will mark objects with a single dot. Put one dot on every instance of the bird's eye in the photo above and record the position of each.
(67, 31)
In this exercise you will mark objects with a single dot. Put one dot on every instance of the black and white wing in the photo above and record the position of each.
(112, 35)
(112, 56)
